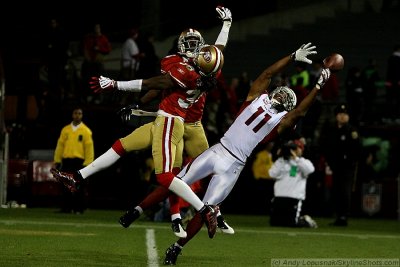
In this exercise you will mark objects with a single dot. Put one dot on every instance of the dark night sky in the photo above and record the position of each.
(29, 19)
(22, 25)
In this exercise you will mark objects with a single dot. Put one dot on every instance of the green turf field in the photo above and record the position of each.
(42, 237)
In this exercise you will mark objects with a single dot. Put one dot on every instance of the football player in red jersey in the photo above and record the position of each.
(182, 87)
(182, 73)
(262, 118)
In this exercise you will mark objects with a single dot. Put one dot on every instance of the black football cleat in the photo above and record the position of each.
(129, 217)
(171, 255)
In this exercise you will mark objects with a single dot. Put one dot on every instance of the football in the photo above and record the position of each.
(335, 62)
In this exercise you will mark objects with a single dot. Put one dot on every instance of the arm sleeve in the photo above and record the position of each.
(132, 85)
(222, 38)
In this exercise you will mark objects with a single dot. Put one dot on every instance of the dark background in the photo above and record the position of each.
(22, 26)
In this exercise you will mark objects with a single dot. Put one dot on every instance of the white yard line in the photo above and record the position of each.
(152, 255)
(239, 231)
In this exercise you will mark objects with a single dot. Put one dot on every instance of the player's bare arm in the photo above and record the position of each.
(290, 120)
(261, 84)
(160, 82)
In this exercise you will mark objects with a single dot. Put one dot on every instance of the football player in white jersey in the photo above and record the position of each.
(261, 118)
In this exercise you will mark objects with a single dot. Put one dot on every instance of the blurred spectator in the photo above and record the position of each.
(290, 172)
(232, 97)
(393, 82)
(242, 88)
(74, 150)
(95, 47)
(340, 144)
(130, 56)
(310, 122)
(262, 187)
(150, 63)
(263, 162)
(370, 83)
(55, 57)
(300, 81)
(355, 94)
(331, 89)
(280, 79)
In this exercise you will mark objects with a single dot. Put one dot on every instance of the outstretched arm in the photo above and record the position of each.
(161, 82)
(226, 16)
(260, 85)
(290, 120)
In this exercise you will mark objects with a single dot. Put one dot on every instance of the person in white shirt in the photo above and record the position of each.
(290, 171)
(130, 56)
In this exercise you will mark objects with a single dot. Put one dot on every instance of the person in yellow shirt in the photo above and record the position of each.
(263, 184)
(74, 150)
(262, 162)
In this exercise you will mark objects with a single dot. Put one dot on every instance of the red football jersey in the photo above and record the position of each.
(195, 112)
(177, 100)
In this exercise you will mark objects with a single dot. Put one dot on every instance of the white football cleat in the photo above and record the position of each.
(177, 228)
(223, 226)
(310, 221)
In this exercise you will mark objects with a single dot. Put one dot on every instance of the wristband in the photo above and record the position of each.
(132, 86)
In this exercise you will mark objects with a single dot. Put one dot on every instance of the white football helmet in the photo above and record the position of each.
(283, 98)
(209, 60)
(189, 42)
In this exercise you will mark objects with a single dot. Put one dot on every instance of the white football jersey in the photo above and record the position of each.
(253, 124)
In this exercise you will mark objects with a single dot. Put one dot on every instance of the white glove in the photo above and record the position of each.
(224, 13)
(325, 74)
(303, 52)
(102, 83)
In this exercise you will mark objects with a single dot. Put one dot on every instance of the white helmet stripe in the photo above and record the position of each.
(217, 60)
